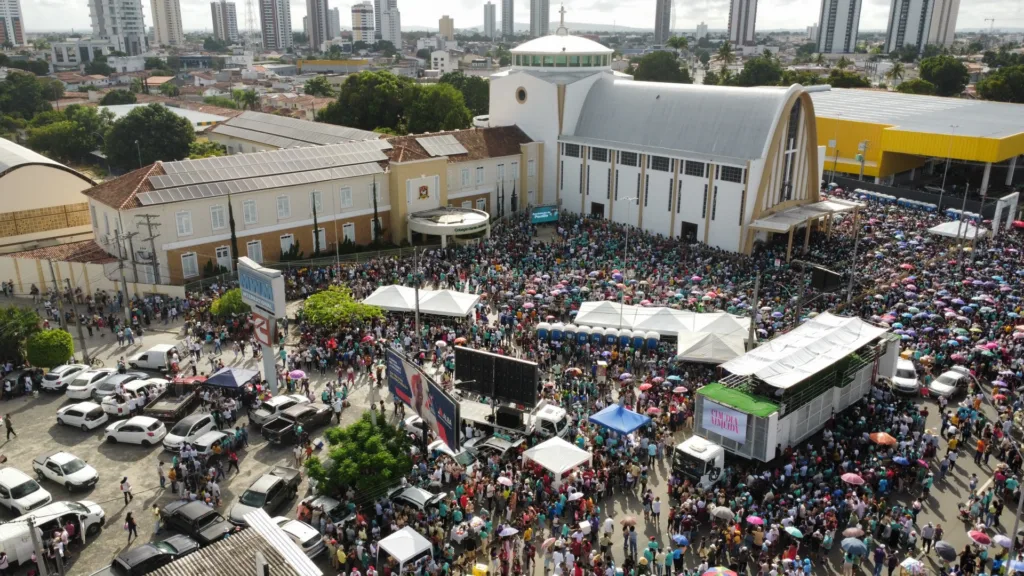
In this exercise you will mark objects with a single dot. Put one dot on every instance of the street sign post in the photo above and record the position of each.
(263, 289)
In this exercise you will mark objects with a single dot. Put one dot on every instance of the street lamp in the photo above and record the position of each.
(625, 256)
(138, 150)
(949, 152)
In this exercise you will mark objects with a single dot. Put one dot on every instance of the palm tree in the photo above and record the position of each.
(820, 59)
(726, 55)
(896, 72)
(250, 99)
(678, 42)
(843, 63)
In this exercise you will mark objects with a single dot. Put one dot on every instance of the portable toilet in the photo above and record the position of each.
(557, 330)
(543, 330)
(611, 335)
(582, 334)
(652, 339)
(597, 335)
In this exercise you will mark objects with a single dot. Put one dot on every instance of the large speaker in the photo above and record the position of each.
(825, 280)
(495, 376)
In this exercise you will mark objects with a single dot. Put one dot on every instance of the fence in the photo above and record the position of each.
(90, 277)
(947, 200)
(354, 258)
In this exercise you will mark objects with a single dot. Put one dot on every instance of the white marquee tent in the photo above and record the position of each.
(664, 321)
(558, 456)
(404, 546)
(957, 229)
(709, 348)
(396, 298)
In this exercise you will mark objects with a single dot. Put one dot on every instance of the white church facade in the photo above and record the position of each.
(720, 165)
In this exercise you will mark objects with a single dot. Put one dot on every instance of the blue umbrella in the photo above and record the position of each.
(901, 460)
(854, 547)
(680, 540)
(674, 378)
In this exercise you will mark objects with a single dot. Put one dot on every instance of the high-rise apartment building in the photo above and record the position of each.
(391, 27)
(508, 18)
(446, 27)
(837, 32)
(812, 33)
(316, 13)
(742, 17)
(276, 24)
(333, 23)
(167, 29)
(12, 26)
(944, 17)
(662, 19)
(225, 21)
(702, 31)
(490, 20)
(380, 7)
(121, 22)
(362, 22)
(540, 17)
(918, 23)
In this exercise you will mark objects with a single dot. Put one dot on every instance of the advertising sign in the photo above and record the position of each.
(439, 411)
(261, 287)
(263, 329)
(730, 423)
(544, 214)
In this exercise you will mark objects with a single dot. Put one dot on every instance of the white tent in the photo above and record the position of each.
(957, 229)
(404, 546)
(663, 320)
(447, 303)
(557, 456)
(722, 323)
(394, 298)
(709, 348)
(605, 314)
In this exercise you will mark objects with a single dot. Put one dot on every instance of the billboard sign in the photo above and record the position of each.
(439, 411)
(544, 214)
(261, 287)
(730, 423)
(503, 378)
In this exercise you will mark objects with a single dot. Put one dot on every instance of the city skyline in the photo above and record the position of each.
(772, 14)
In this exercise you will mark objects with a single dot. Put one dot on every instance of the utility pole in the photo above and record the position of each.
(150, 224)
(862, 148)
(40, 556)
(754, 304)
(416, 288)
(60, 301)
(949, 154)
(120, 267)
(853, 261)
(961, 226)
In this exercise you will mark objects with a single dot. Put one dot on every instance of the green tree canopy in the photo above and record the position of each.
(160, 133)
(843, 79)
(423, 53)
(155, 63)
(229, 303)
(678, 42)
(916, 86)
(98, 65)
(117, 97)
(16, 325)
(37, 67)
(437, 107)
(369, 100)
(49, 348)
(1004, 85)
(475, 91)
(362, 456)
(760, 71)
(661, 66)
(948, 74)
(211, 44)
(21, 95)
(205, 149)
(76, 132)
(335, 307)
(318, 86)
(802, 77)
(221, 101)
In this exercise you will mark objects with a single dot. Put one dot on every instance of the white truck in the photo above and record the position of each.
(700, 461)
(156, 358)
(546, 420)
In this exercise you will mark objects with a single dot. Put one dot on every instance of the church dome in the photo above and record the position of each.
(561, 50)
(558, 44)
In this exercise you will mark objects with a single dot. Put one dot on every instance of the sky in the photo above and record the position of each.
(42, 15)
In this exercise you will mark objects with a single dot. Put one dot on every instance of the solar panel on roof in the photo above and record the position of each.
(445, 145)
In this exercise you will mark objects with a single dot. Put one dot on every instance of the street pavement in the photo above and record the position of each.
(34, 421)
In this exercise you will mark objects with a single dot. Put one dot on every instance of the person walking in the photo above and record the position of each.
(126, 489)
(10, 426)
(156, 519)
(160, 473)
(131, 527)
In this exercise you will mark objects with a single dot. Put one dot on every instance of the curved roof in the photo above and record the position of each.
(716, 123)
(559, 44)
(13, 156)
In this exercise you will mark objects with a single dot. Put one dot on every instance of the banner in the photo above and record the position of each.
(543, 214)
(731, 424)
(429, 401)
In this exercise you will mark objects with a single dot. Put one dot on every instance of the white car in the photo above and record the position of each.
(949, 383)
(82, 386)
(84, 415)
(117, 405)
(20, 493)
(136, 430)
(905, 380)
(304, 535)
(67, 469)
(188, 429)
(48, 518)
(59, 378)
(270, 409)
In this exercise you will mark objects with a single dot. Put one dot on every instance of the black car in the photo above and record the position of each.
(283, 429)
(17, 380)
(149, 557)
(196, 520)
(269, 492)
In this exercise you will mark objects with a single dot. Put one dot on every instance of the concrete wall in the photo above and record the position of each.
(89, 277)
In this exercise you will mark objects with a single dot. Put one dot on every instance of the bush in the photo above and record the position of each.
(335, 306)
(230, 303)
(49, 348)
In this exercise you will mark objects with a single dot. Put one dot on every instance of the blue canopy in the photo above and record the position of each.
(619, 419)
(231, 377)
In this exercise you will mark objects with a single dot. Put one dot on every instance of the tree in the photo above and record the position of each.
(711, 78)
(906, 54)
(71, 134)
(49, 348)
(437, 107)
(37, 67)
(153, 132)
(52, 88)
(369, 100)
(932, 50)
(385, 47)
(362, 456)
(704, 57)
(807, 49)
(318, 86)
(760, 71)
(843, 79)
(475, 91)
(896, 72)
(1004, 85)
(98, 65)
(678, 42)
(336, 307)
(136, 86)
(423, 54)
(334, 52)
(250, 100)
(300, 38)
(316, 228)
(16, 325)
(843, 63)
(661, 66)
(229, 304)
(916, 86)
(725, 54)
(153, 62)
(802, 77)
(234, 237)
(21, 95)
(221, 101)
(115, 97)
(948, 74)
(205, 149)
(211, 44)
(820, 60)
(170, 89)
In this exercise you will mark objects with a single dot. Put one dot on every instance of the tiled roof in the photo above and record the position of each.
(85, 251)
(481, 143)
(230, 557)
(120, 193)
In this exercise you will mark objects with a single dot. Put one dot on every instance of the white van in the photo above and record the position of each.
(20, 493)
(16, 541)
(156, 358)
(905, 380)
(88, 515)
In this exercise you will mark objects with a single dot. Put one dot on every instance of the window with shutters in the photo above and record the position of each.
(284, 209)
(479, 174)
(660, 163)
(531, 168)
(572, 150)
(628, 158)
(692, 168)
(346, 197)
(465, 177)
(317, 200)
(189, 265)
(704, 206)
(184, 221)
(501, 172)
(599, 154)
(249, 214)
(515, 170)
(217, 220)
(732, 174)
(287, 240)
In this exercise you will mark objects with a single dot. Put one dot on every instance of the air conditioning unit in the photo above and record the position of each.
(143, 255)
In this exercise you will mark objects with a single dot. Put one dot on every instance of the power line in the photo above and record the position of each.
(150, 224)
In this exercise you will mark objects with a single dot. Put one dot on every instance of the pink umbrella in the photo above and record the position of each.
(653, 411)
(755, 520)
(679, 390)
(646, 386)
(979, 538)
(854, 479)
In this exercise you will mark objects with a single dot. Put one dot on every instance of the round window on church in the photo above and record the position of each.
(521, 95)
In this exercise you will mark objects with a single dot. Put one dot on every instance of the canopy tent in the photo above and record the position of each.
(620, 419)
(605, 314)
(957, 229)
(723, 324)
(394, 298)
(447, 303)
(664, 321)
(558, 457)
(231, 377)
(806, 350)
(709, 348)
(404, 546)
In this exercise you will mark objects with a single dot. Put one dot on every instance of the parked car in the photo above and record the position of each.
(949, 383)
(20, 493)
(108, 386)
(58, 379)
(283, 429)
(82, 386)
(338, 513)
(136, 430)
(66, 469)
(305, 536)
(188, 430)
(196, 520)
(177, 400)
(17, 379)
(204, 444)
(499, 447)
(84, 415)
(86, 514)
(905, 380)
(149, 557)
(415, 497)
(156, 358)
(118, 405)
(270, 409)
(269, 492)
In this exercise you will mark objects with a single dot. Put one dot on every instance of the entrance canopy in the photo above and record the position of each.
(557, 456)
(797, 216)
(619, 419)
(957, 229)
(405, 545)
(449, 221)
(665, 321)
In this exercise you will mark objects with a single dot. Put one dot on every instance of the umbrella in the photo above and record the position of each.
(296, 374)
(674, 378)
(794, 532)
(755, 520)
(367, 339)
(628, 521)
(851, 478)
(625, 376)
(945, 551)
(460, 340)
(646, 386)
(653, 411)
(901, 460)
(979, 538)
(547, 543)
(883, 438)
(1003, 541)
(719, 571)
(679, 390)
(723, 513)
(504, 481)
(508, 531)
(853, 532)
(680, 540)
(912, 565)
(575, 496)
(854, 546)
(441, 344)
